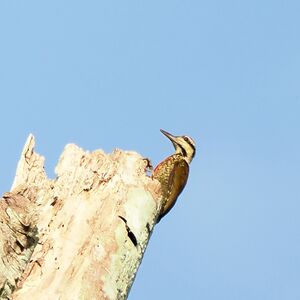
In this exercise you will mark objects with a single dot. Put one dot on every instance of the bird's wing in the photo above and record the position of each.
(177, 181)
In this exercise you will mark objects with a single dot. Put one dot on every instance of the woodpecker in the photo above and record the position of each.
(173, 172)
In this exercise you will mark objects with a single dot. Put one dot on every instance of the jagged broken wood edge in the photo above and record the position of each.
(30, 167)
(126, 228)
(18, 221)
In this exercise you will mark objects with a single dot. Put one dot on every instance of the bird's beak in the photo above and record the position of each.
(169, 136)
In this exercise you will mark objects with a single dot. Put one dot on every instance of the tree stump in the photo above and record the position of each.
(81, 235)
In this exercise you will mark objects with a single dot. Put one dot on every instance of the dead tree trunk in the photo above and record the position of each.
(81, 235)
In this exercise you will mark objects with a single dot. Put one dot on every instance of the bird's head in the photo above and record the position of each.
(183, 145)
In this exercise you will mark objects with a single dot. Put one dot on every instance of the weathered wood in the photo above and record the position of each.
(87, 229)
(18, 236)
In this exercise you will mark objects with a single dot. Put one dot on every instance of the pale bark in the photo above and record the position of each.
(81, 235)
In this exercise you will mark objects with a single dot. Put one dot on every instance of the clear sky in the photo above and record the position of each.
(106, 74)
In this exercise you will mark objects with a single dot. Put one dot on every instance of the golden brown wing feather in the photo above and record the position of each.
(176, 182)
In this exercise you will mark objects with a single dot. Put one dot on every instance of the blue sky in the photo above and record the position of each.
(111, 74)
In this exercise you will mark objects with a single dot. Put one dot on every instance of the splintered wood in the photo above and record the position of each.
(81, 235)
